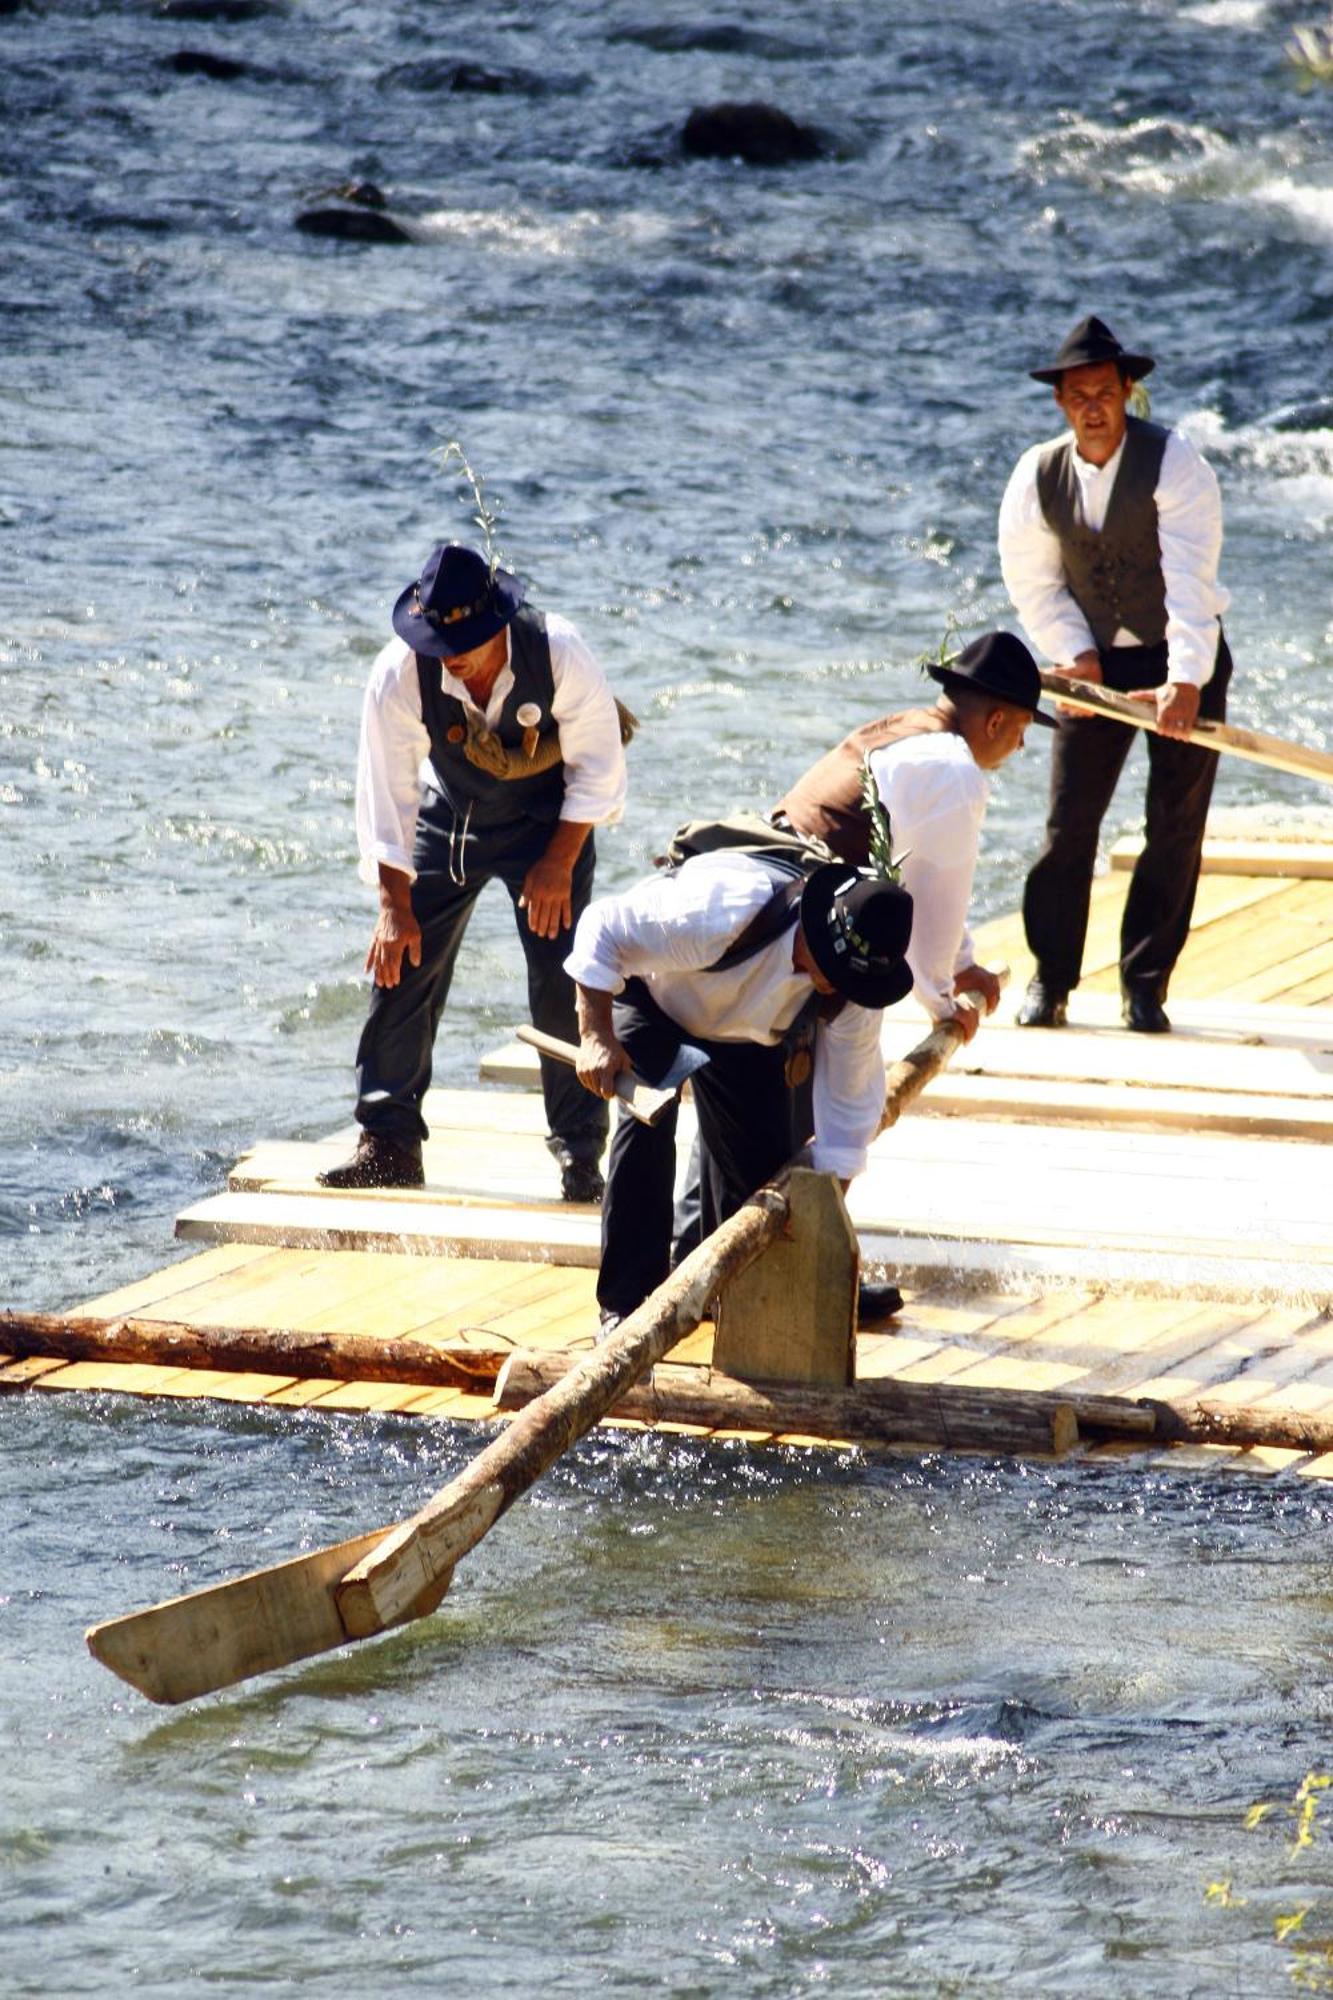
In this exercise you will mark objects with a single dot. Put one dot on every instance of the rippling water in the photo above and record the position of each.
(789, 1725)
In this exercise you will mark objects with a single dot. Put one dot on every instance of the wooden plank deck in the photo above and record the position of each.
(1087, 1210)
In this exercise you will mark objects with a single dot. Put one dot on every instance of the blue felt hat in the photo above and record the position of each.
(456, 604)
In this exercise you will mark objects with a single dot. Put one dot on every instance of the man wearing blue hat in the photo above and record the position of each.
(1110, 538)
(490, 749)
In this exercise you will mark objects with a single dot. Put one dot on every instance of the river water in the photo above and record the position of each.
(694, 1720)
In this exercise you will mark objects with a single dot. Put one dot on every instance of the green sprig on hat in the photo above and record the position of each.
(483, 516)
(881, 835)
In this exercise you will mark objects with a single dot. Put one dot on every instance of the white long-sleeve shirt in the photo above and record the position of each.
(935, 794)
(395, 745)
(1189, 531)
(667, 929)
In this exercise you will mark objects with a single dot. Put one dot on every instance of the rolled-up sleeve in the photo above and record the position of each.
(394, 744)
(589, 728)
(849, 1090)
(936, 805)
(1033, 569)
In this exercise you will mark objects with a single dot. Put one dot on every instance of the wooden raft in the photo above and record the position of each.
(1055, 1238)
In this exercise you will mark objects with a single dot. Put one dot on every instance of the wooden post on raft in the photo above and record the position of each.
(790, 1317)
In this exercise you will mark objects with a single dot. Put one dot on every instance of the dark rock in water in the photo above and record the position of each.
(719, 38)
(199, 62)
(216, 10)
(477, 79)
(351, 225)
(759, 134)
(1316, 416)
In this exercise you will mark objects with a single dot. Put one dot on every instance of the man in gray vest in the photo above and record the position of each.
(490, 748)
(1109, 542)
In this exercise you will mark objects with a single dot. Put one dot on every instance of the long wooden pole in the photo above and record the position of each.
(213, 1638)
(1253, 744)
(905, 1079)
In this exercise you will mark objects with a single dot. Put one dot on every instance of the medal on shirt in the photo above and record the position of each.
(528, 716)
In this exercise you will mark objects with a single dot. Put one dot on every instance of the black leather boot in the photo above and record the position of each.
(377, 1163)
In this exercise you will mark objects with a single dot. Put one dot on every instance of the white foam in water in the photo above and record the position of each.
(1227, 13)
(1311, 206)
(1296, 465)
(525, 233)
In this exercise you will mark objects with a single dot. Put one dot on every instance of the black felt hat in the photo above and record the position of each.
(997, 664)
(858, 927)
(457, 603)
(1092, 341)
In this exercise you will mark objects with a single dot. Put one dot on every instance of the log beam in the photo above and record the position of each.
(346, 1357)
(878, 1412)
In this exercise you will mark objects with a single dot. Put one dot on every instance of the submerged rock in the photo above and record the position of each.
(719, 38)
(758, 133)
(216, 10)
(200, 62)
(353, 224)
(477, 79)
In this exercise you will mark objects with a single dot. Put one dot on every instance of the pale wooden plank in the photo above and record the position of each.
(1295, 859)
(137, 1378)
(383, 1396)
(565, 1235)
(19, 1374)
(173, 1283)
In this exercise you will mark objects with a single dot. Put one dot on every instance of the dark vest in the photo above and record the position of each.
(826, 802)
(493, 801)
(1115, 575)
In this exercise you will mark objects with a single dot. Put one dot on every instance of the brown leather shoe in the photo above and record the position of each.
(377, 1163)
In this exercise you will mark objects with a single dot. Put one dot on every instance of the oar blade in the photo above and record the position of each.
(210, 1639)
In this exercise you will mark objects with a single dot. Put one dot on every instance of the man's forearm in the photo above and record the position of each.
(567, 842)
(595, 1018)
(395, 889)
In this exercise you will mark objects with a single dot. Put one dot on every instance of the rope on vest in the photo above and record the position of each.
(484, 749)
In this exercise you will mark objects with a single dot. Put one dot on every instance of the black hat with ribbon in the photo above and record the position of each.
(457, 603)
(858, 927)
(997, 664)
(1091, 342)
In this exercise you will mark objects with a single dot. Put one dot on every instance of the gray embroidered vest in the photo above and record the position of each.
(1115, 575)
(493, 801)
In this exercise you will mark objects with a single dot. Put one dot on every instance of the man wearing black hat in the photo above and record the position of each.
(1110, 537)
(490, 748)
(724, 956)
(931, 768)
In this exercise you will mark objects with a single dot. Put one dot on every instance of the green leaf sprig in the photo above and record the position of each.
(483, 516)
(881, 836)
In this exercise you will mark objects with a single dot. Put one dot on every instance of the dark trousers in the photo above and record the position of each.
(745, 1130)
(393, 1061)
(1087, 757)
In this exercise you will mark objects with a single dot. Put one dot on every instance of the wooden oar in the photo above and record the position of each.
(641, 1100)
(213, 1638)
(1252, 744)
